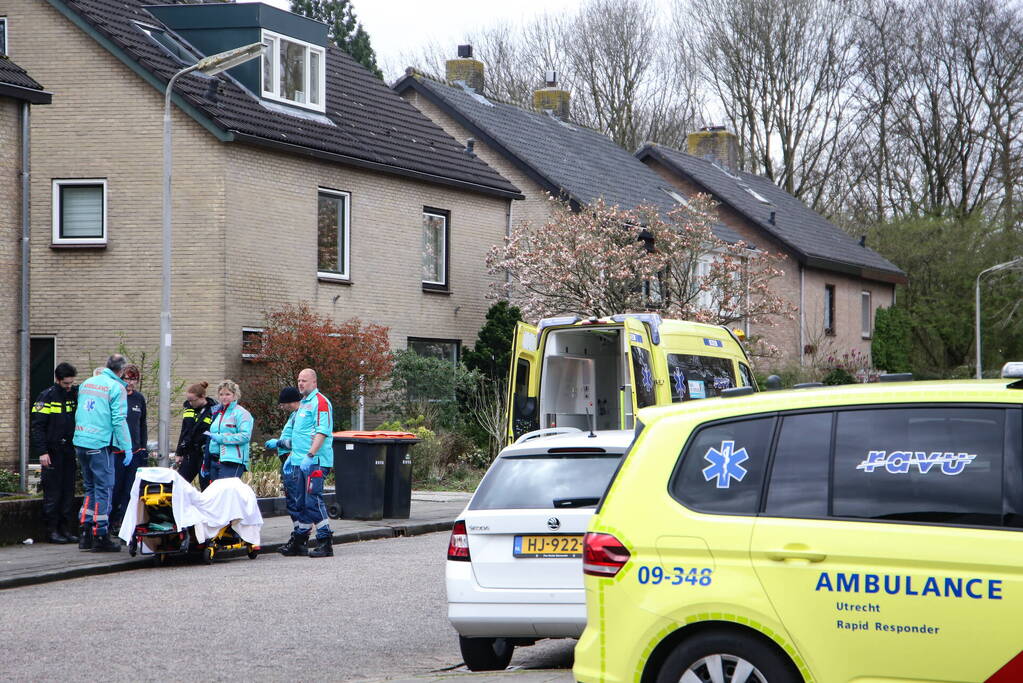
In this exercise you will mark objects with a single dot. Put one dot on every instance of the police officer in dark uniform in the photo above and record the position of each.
(196, 418)
(53, 428)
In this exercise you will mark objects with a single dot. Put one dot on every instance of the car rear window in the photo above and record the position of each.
(545, 481)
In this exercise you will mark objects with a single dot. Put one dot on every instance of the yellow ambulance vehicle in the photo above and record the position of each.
(596, 373)
(868, 534)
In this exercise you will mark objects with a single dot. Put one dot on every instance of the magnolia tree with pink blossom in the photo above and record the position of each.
(604, 260)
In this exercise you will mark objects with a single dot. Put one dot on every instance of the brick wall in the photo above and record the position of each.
(10, 277)
(244, 225)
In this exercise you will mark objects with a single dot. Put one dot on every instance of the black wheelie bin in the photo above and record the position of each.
(398, 475)
(359, 465)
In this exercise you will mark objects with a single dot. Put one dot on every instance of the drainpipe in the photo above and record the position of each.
(507, 233)
(802, 316)
(23, 347)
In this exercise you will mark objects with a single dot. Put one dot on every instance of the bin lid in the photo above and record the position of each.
(378, 436)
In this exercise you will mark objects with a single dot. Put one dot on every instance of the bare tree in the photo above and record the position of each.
(779, 69)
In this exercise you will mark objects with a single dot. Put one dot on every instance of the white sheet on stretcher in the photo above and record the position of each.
(225, 501)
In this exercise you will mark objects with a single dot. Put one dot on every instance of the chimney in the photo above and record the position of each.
(465, 69)
(716, 144)
(552, 98)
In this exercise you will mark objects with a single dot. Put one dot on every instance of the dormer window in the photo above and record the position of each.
(169, 44)
(293, 71)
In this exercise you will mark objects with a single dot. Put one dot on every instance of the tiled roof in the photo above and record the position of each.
(15, 82)
(813, 238)
(369, 125)
(570, 161)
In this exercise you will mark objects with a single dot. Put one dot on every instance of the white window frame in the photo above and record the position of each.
(443, 256)
(275, 56)
(865, 300)
(252, 356)
(346, 197)
(5, 46)
(56, 186)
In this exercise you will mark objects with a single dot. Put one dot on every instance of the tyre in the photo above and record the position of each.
(160, 560)
(334, 511)
(485, 654)
(133, 547)
(253, 553)
(207, 555)
(726, 656)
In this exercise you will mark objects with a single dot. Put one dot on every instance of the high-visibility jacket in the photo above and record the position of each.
(101, 416)
(193, 424)
(53, 420)
(315, 415)
(233, 427)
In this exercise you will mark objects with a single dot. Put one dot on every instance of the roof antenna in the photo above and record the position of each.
(590, 417)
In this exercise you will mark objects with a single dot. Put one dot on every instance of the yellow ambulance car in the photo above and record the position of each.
(866, 533)
(596, 373)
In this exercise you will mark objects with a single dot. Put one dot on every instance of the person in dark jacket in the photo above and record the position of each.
(124, 468)
(53, 428)
(195, 420)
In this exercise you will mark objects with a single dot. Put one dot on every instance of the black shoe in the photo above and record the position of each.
(324, 548)
(54, 537)
(105, 544)
(69, 536)
(295, 546)
(85, 542)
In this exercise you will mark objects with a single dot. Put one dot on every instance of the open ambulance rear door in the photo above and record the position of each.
(641, 393)
(523, 383)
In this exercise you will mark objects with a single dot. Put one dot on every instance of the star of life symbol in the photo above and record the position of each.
(646, 377)
(90, 404)
(725, 464)
(680, 381)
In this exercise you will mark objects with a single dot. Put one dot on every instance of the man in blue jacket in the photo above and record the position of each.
(100, 428)
(312, 456)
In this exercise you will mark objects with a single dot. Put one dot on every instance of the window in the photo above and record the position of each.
(3, 35)
(545, 482)
(698, 376)
(169, 44)
(435, 249)
(444, 349)
(80, 212)
(799, 472)
(936, 465)
(746, 375)
(865, 314)
(701, 275)
(252, 342)
(293, 71)
(332, 235)
(829, 309)
(723, 467)
(643, 376)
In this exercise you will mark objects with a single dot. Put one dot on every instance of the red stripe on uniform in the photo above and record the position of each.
(1012, 672)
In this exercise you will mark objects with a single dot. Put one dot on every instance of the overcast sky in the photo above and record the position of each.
(397, 27)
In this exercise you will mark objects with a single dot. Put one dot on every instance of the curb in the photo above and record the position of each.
(372, 534)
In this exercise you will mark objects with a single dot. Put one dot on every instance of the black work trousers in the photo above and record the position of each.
(59, 490)
(191, 464)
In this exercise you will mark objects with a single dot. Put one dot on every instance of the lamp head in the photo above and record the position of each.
(229, 59)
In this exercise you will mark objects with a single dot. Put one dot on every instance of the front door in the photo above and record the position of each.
(911, 568)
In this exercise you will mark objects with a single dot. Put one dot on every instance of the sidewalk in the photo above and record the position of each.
(22, 565)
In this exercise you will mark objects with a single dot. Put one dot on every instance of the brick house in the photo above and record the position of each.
(838, 283)
(828, 276)
(297, 177)
(18, 92)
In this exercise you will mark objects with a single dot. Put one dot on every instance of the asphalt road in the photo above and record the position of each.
(375, 611)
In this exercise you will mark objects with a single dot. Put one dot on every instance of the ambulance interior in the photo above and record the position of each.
(583, 371)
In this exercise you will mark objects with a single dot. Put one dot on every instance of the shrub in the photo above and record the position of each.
(427, 388)
(890, 347)
(839, 376)
(9, 481)
(491, 356)
(349, 358)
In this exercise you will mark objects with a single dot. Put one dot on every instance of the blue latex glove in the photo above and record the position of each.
(271, 444)
(214, 437)
(128, 455)
(307, 464)
(284, 444)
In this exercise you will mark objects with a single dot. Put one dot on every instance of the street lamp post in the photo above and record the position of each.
(211, 65)
(992, 269)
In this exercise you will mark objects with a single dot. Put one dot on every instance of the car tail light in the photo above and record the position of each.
(603, 555)
(458, 546)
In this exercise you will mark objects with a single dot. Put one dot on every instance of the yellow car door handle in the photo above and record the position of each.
(795, 554)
